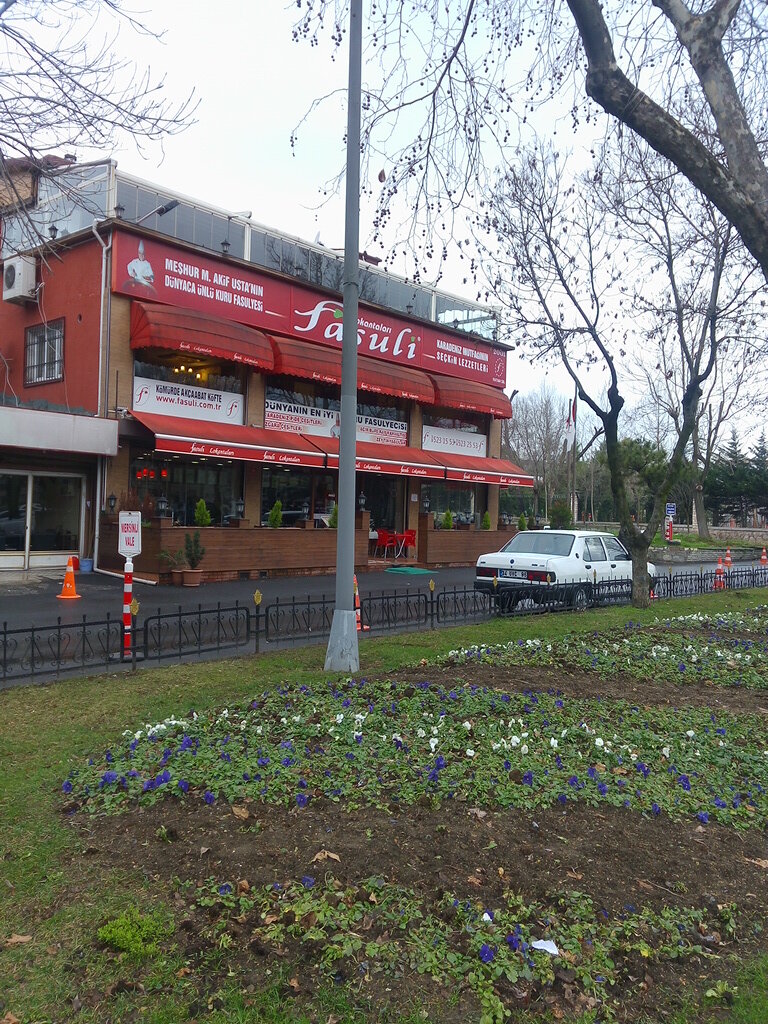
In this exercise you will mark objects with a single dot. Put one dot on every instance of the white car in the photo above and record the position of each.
(554, 565)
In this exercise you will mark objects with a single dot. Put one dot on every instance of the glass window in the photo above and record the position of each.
(445, 496)
(300, 492)
(541, 542)
(183, 482)
(473, 423)
(616, 551)
(593, 550)
(13, 511)
(55, 520)
(44, 353)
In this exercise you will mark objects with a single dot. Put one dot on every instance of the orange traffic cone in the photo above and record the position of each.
(727, 558)
(358, 620)
(719, 581)
(763, 558)
(68, 592)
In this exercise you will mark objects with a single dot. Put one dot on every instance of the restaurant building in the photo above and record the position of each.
(203, 352)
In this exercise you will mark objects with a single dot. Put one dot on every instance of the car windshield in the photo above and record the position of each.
(536, 542)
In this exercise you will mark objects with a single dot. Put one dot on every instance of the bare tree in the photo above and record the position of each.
(448, 98)
(62, 87)
(534, 438)
(701, 293)
(561, 270)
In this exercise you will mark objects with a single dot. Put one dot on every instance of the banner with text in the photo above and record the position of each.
(456, 442)
(157, 271)
(188, 401)
(306, 419)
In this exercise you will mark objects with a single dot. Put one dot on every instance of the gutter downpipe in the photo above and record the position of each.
(105, 247)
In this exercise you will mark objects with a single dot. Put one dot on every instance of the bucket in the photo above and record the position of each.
(86, 565)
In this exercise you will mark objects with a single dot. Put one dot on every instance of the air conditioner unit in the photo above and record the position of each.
(19, 279)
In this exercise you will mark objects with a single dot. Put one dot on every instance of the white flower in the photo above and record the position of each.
(690, 734)
(420, 733)
(599, 742)
(470, 753)
(467, 726)
(665, 751)
(339, 718)
(432, 744)
(487, 917)
(524, 748)
(553, 743)
(515, 741)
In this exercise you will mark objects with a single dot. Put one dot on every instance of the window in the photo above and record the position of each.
(615, 550)
(44, 353)
(593, 550)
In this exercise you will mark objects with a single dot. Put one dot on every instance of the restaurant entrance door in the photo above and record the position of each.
(384, 499)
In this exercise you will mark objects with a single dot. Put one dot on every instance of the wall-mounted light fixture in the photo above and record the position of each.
(225, 244)
(53, 231)
(112, 501)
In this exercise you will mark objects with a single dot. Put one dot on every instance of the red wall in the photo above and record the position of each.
(71, 290)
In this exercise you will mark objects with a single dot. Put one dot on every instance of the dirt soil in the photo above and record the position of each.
(616, 857)
(575, 682)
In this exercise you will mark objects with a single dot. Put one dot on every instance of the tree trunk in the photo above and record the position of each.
(701, 515)
(641, 589)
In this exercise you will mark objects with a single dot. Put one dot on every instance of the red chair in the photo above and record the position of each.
(407, 540)
(386, 541)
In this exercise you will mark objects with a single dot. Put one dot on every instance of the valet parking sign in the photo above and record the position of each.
(129, 534)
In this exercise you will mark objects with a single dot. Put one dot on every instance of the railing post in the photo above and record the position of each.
(257, 602)
(431, 603)
(5, 650)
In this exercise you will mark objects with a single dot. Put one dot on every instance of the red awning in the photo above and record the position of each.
(476, 470)
(389, 459)
(228, 441)
(455, 393)
(320, 362)
(185, 330)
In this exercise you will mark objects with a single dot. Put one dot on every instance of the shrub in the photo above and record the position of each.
(560, 517)
(522, 522)
(447, 520)
(486, 523)
(135, 933)
(175, 560)
(276, 515)
(193, 549)
(202, 515)
(333, 518)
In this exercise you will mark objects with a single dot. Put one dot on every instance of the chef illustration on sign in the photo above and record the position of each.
(336, 427)
(140, 272)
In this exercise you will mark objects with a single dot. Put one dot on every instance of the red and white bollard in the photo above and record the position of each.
(127, 599)
(669, 528)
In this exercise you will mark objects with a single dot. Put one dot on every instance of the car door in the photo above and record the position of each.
(619, 559)
(595, 561)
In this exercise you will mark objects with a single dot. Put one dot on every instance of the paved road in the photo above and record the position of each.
(28, 599)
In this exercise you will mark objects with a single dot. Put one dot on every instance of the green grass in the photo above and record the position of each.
(694, 542)
(53, 894)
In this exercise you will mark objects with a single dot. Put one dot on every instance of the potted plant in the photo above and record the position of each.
(194, 552)
(486, 523)
(447, 520)
(276, 515)
(175, 562)
(202, 515)
(333, 518)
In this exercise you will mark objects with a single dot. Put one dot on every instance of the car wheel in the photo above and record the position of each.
(580, 599)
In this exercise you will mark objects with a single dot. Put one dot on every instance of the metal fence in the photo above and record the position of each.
(45, 652)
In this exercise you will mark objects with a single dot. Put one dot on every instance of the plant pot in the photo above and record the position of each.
(177, 576)
(192, 577)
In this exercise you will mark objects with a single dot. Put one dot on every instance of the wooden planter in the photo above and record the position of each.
(192, 577)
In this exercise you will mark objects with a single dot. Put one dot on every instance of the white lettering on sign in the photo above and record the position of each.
(453, 441)
(129, 534)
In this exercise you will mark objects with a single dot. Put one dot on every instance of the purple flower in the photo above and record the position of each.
(108, 778)
(487, 953)
(66, 786)
(308, 882)
(302, 799)
(225, 890)
(703, 817)
(685, 782)
(209, 797)
(183, 785)
(655, 808)
(602, 788)
(527, 779)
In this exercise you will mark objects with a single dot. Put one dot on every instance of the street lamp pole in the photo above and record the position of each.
(342, 654)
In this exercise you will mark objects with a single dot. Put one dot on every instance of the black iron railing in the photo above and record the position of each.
(45, 652)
